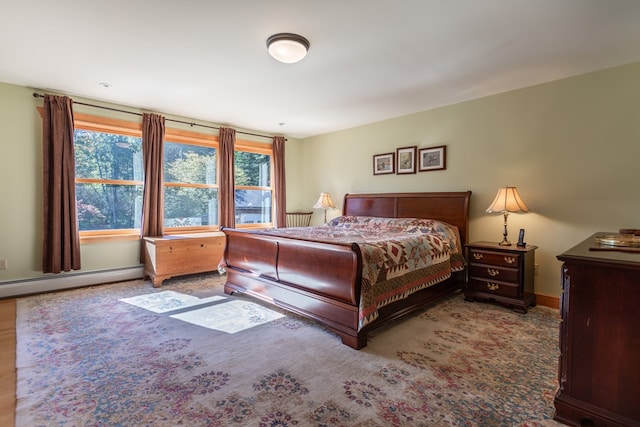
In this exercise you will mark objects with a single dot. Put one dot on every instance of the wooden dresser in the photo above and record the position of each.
(177, 255)
(599, 366)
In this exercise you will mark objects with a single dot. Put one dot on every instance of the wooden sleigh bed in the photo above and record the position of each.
(323, 281)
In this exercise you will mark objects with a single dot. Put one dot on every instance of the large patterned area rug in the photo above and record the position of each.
(128, 354)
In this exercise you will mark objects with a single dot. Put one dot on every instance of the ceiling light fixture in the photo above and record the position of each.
(287, 47)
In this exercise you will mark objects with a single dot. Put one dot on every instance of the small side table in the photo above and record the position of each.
(501, 273)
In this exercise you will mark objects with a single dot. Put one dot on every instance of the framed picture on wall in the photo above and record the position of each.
(384, 163)
(432, 158)
(406, 160)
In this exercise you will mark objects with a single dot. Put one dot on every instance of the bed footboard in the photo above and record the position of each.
(316, 280)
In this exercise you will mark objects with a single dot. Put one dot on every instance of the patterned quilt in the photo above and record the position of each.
(400, 256)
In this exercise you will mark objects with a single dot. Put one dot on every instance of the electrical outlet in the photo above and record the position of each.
(3, 264)
(536, 268)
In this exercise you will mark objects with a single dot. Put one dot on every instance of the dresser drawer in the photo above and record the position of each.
(509, 290)
(492, 272)
(494, 258)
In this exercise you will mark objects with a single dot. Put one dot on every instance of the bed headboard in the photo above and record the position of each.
(451, 207)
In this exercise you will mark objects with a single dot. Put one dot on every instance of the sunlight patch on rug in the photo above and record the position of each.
(230, 317)
(162, 302)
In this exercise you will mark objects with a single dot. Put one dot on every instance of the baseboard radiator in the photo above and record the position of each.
(15, 288)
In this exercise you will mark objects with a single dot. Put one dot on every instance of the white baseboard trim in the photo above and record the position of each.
(42, 284)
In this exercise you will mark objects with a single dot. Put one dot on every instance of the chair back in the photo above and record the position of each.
(299, 219)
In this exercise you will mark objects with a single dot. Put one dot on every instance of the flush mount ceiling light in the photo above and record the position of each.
(287, 47)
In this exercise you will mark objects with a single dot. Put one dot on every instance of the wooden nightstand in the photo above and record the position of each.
(501, 273)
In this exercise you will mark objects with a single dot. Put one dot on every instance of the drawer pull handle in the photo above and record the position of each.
(477, 256)
(493, 271)
(493, 286)
(510, 260)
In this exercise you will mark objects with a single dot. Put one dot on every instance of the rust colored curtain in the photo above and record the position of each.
(226, 193)
(61, 239)
(153, 159)
(280, 185)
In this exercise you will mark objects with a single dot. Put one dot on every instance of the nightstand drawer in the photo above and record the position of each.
(492, 272)
(494, 258)
(494, 287)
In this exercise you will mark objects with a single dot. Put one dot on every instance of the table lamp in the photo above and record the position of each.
(507, 200)
(324, 202)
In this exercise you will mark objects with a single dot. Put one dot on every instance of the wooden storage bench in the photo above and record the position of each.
(178, 255)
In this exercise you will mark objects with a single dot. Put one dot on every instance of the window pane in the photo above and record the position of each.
(102, 155)
(189, 206)
(253, 206)
(108, 207)
(252, 169)
(189, 164)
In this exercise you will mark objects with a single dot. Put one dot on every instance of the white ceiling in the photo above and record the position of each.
(368, 61)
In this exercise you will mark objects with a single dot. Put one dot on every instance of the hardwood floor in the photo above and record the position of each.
(7, 362)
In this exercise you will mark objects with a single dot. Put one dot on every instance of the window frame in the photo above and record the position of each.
(257, 148)
(201, 140)
(116, 126)
(129, 128)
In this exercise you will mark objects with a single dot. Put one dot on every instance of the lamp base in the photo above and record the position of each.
(505, 241)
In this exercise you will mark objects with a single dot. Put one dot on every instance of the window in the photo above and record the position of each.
(108, 180)
(110, 177)
(253, 190)
(191, 190)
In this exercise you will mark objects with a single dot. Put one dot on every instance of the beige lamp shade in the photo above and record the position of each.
(324, 202)
(507, 200)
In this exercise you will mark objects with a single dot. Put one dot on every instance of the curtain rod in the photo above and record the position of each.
(39, 95)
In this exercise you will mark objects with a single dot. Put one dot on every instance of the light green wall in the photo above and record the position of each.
(571, 147)
(21, 186)
(20, 182)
